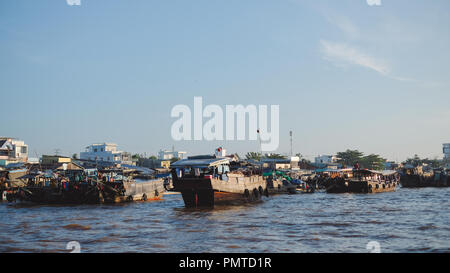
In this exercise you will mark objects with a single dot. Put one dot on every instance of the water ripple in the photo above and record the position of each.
(408, 220)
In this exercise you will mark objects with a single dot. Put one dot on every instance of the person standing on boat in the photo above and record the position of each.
(356, 166)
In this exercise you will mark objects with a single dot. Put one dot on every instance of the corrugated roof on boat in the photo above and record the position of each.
(207, 162)
(388, 172)
(385, 172)
(142, 170)
(333, 170)
(18, 171)
(15, 165)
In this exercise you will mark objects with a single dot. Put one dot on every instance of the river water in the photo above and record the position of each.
(408, 220)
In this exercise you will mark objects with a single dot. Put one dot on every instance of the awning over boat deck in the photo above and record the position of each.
(34, 175)
(384, 173)
(333, 170)
(200, 163)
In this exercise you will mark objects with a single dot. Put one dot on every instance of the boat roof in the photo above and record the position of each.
(206, 162)
(385, 172)
(333, 170)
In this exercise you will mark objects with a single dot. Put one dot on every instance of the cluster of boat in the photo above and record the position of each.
(80, 186)
(205, 181)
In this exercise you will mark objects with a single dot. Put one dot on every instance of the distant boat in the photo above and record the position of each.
(416, 177)
(364, 181)
(206, 181)
(280, 183)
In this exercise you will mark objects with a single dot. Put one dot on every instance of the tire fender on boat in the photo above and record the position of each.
(247, 193)
(255, 193)
(261, 191)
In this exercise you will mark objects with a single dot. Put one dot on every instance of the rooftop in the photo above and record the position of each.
(200, 162)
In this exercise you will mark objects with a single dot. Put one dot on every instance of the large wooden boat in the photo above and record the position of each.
(206, 181)
(416, 177)
(364, 181)
(88, 190)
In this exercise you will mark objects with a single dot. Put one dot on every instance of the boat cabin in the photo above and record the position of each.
(375, 176)
(201, 167)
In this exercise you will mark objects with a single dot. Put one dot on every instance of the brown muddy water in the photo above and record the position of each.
(408, 220)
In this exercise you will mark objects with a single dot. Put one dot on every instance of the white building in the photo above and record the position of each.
(325, 159)
(12, 151)
(220, 152)
(105, 152)
(446, 151)
(168, 155)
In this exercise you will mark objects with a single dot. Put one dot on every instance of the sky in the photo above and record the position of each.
(345, 74)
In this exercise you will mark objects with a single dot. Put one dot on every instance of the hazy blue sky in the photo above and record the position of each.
(345, 74)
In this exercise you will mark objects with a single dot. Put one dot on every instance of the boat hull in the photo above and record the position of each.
(420, 181)
(201, 192)
(361, 187)
(277, 187)
(88, 194)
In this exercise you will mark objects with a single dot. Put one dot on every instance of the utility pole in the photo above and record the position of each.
(260, 145)
(290, 134)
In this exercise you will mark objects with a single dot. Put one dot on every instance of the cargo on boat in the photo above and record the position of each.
(79, 186)
(364, 181)
(279, 183)
(417, 177)
(10, 182)
(206, 181)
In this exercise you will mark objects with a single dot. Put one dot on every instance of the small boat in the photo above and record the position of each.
(207, 181)
(279, 183)
(304, 187)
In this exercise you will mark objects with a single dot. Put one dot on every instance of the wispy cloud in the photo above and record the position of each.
(345, 25)
(340, 53)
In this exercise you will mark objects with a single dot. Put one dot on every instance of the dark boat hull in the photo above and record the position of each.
(41, 195)
(361, 187)
(420, 181)
(200, 192)
(89, 194)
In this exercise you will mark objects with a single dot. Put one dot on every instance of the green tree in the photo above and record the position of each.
(417, 161)
(174, 159)
(75, 156)
(302, 159)
(349, 157)
(275, 156)
(253, 156)
(153, 157)
(373, 162)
